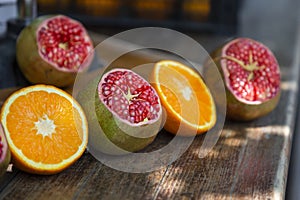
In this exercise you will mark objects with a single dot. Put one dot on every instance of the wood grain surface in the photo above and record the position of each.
(249, 161)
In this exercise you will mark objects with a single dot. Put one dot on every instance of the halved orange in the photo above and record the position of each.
(45, 127)
(187, 100)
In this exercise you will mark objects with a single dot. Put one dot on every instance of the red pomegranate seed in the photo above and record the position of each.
(130, 96)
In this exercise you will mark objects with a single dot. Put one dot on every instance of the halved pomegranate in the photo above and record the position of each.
(52, 49)
(252, 78)
(4, 152)
(127, 109)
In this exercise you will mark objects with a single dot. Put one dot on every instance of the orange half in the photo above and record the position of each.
(187, 100)
(46, 129)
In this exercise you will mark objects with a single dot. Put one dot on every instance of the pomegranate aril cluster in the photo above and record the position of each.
(129, 96)
(63, 42)
(265, 82)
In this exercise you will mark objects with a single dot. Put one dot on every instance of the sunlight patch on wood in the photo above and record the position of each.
(267, 131)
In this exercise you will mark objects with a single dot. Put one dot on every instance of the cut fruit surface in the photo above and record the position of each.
(251, 71)
(130, 97)
(186, 98)
(46, 129)
(251, 75)
(64, 43)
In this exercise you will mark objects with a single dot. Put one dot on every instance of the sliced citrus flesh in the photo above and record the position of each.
(46, 129)
(189, 105)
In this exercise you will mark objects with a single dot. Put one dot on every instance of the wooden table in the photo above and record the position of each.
(250, 160)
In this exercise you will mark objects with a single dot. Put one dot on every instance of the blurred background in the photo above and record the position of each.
(190, 15)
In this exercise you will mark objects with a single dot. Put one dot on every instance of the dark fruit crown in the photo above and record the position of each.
(129, 96)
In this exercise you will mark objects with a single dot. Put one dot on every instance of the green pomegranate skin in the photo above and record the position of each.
(236, 109)
(112, 138)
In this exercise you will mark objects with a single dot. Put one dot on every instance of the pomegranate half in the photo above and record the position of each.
(251, 77)
(4, 152)
(127, 108)
(52, 49)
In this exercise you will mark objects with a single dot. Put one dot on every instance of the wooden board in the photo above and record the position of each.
(250, 160)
